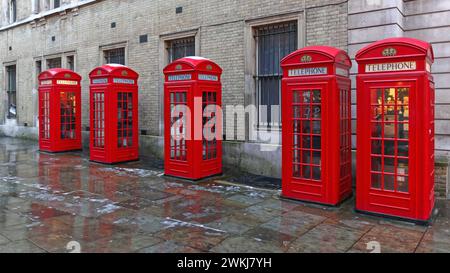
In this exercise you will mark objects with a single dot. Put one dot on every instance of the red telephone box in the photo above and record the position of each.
(193, 120)
(316, 116)
(395, 155)
(59, 111)
(114, 114)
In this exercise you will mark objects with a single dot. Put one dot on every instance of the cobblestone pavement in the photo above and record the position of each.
(52, 203)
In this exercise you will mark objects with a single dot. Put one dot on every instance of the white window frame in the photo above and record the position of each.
(250, 95)
(5, 87)
(105, 48)
(164, 40)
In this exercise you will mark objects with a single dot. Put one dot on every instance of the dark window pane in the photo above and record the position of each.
(376, 164)
(274, 42)
(71, 62)
(181, 48)
(11, 91)
(376, 180)
(403, 183)
(389, 182)
(402, 167)
(317, 158)
(115, 56)
(316, 173)
(54, 63)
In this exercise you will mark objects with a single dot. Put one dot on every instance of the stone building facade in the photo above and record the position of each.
(146, 35)
(428, 20)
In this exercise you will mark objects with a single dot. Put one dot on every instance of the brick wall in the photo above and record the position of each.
(370, 21)
(220, 25)
(327, 25)
(441, 178)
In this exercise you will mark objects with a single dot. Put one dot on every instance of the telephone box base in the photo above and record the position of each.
(427, 222)
(345, 199)
(59, 152)
(114, 163)
(193, 179)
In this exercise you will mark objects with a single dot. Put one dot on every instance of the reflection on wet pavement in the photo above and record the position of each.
(47, 201)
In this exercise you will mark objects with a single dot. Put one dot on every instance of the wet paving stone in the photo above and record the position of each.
(245, 199)
(78, 202)
(243, 244)
(198, 237)
(37, 212)
(279, 239)
(146, 223)
(3, 240)
(22, 232)
(230, 225)
(353, 222)
(53, 243)
(261, 213)
(49, 200)
(437, 238)
(85, 233)
(149, 193)
(169, 247)
(136, 203)
(326, 238)
(96, 239)
(175, 188)
(434, 243)
(121, 243)
(22, 246)
(208, 211)
(391, 239)
(324, 211)
(278, 204)
(294, 223)
(161, 210)
(13, 203)
(8, 219)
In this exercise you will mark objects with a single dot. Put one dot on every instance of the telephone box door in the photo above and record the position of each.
(180, 141)
(391, 155)
(305, 123)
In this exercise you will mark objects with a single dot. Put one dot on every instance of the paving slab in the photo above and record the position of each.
(50, 200)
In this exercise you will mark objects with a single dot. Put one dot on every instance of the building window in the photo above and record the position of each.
(115, 56)
(180, 48)
(54, 63)
(70, 62)
(12, 11)
(273, 43)
(38, 69)
(56, 4)
(11, 91)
